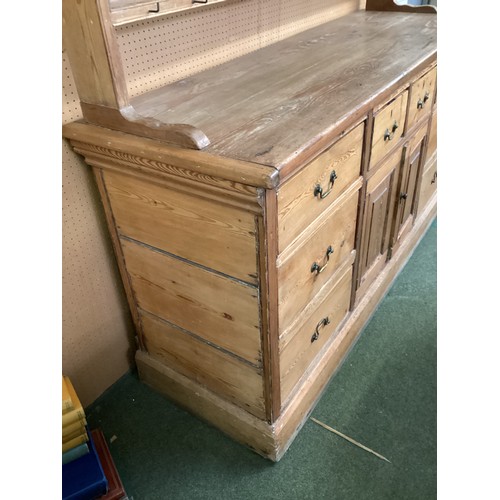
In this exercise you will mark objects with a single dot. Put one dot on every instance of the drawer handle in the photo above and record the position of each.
(434, 178)
(318, 190)
(388, 136)
(403, 196)
(421, 102)
(321, 324)
(316, 268)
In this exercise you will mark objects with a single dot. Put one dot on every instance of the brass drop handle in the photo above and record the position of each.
(388, 136)
(316, 268)
(421, 102)
(318, 190)
(321, 324)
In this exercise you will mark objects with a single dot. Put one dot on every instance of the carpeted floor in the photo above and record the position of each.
(384, 396)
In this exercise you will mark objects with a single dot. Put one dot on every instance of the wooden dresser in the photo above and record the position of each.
(256, 238)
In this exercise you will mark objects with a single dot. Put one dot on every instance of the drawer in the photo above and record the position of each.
(429, 184)
(200, 230)
(220, 310)
(312, 263)
(422, 95)
(318, 186)
(298, 350)
(220, 372)
(388, 127)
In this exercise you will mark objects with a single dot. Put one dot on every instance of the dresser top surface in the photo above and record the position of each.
(268, 106)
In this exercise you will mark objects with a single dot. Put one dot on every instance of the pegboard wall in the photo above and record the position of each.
(97, 342)
(96, 326)
(163, 50)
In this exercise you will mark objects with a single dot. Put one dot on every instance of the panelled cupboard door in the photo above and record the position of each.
(381, 190)
(428, 185)
(408, 187)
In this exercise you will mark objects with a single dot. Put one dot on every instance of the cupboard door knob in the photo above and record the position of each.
(316, 268)
(318, 190)
(388, 136)
(321, 324)
(421, 102)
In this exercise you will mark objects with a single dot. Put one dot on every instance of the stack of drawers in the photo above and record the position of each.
(317, 212)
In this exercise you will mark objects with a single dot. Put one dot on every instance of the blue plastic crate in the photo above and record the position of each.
(84, 479)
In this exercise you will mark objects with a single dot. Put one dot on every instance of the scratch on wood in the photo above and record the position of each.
(262, 153)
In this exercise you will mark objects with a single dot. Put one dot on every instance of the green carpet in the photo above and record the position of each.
(384, 396)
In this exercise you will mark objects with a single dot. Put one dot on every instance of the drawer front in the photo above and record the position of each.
(299, 351)
(422, 95)
(315, 188)
(429, 185)
(220, 372)
(388, 127)
(200, 230)
(222, 311)
(315, 261)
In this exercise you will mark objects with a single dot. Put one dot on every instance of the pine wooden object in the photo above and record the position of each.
(251, 265)
(128, 11)
(100, 80)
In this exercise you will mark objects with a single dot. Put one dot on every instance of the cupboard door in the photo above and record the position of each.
(411, 174)
(380, 200)
(428, 186)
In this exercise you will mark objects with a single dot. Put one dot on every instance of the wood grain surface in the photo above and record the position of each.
(298, 206)
(394, 113)
(297, 353)
(268, 274)
(94, 53)
(378, 220)
(297, 284)
(156, 157)
(271, 105)
(231, 419)
(429, 182)
(220, 372)
(220, 310)
(409, 184)
(206, 232)
(128, 11)
(422, 95)
(432, 143)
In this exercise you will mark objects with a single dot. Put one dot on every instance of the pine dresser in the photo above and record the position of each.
(260, 210)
